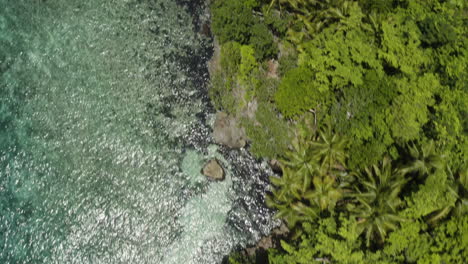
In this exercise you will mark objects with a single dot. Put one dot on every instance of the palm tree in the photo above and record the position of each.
(305, 188)
(377, 200)
(325, 194)
(314, 14)
(293, 4)
(329, 150)
(286, 188)
(298, 167)
(294, 213)
(425, 159)
(300, 160)
(287, 196)
(459, 189)
(311, 168)
(461, 206)
(324, 13)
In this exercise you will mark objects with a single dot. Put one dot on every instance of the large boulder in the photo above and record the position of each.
(213, 170)
(226, 131)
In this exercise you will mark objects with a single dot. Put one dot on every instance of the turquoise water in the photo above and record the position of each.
(103, 135)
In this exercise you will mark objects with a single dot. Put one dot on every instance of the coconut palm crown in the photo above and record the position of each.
(378, 201)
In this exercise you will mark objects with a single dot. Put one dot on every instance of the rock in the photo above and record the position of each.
(226, 131)
(275, 166)
(213, 170)
(281, 231)
(273, 69)
(205, 30)
(265, 243)
(251, 109)
(270, 241)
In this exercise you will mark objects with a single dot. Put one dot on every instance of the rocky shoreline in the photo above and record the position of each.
(228, 133)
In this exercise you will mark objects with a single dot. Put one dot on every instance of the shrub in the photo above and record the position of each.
(269, 134)
(276, 22)
(221, 94)
(224, 80)
(262, 41)
(287, 59)
(230, 58)
(232, 20)
(248, 68)
(297, 94)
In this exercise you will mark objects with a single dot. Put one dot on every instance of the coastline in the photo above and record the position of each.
(272, 239)
(202, 24)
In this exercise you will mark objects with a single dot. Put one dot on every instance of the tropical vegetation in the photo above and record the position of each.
(364, 103)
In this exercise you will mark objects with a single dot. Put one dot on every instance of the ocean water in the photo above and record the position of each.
(104, 128)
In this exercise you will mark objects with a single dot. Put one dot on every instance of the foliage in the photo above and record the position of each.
(269, 134)
(248, 68)
(287, 58)
(335, 240)
(262, 41)
(330, 150)
(276, 20)
(433, 199)
(311, 171)
(459, 185)
(436, 31)
(361, 116)
(386, 83)
(224, 80)
(297, 93)
(236, 80)
(328, 240)
(373, 132)
(220, 85)
(339, 58)
(230, 58)
(450, 242)
(239, 258)
(378, 200)
(325, 194)
(425, 158)
(410, 109)
(266, 89)
(315, 15)
(410, 242)
(379, 6)
(232, 20)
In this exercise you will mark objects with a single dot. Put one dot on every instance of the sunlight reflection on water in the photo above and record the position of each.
(104, 135)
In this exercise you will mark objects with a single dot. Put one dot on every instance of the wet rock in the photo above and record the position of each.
(213, 170)
(227, 131)
(205, 30)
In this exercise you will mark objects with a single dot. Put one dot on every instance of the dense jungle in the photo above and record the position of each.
(364, 106)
